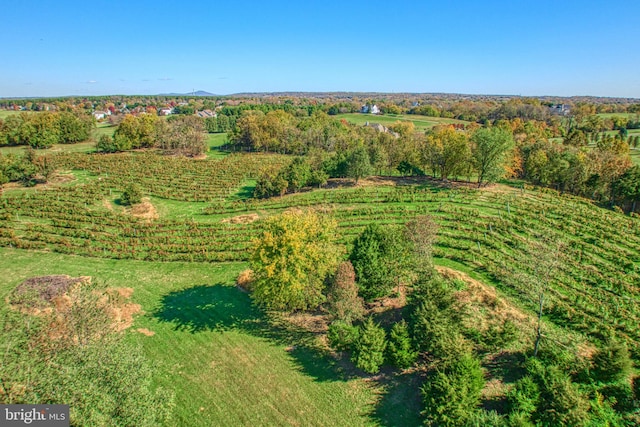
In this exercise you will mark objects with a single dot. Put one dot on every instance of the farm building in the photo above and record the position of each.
(372, 109)
(99, 115)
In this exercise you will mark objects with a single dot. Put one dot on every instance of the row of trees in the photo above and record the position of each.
(183, 135)
(42, 130)
(512, 148)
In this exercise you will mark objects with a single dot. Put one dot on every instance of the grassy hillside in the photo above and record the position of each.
(232, 364)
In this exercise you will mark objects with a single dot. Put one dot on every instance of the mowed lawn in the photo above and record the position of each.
(421, 123)
(228, 363)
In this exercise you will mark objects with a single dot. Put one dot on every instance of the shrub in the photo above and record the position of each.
(245, 280)
(106, 144)
(611, 363)
(131, 195)
(342, 335)
(368, 353)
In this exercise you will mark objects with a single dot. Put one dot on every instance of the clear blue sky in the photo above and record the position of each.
(517, 47)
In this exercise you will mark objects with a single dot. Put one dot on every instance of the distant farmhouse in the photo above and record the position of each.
(165, 111)
(372, 109)
(100, 115)
(560, 109)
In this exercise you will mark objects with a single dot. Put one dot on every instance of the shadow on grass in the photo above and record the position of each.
(401, 401)
(223, 308)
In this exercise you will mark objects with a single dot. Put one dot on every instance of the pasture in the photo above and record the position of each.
(421, 123)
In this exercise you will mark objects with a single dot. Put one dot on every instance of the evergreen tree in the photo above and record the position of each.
(400, 349)
(368, 353)
(452, 396)
(611, 362)
(379, 257)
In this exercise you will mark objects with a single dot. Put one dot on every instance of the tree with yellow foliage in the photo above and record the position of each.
(291, 258)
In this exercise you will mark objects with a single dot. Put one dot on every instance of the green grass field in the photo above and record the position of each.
(626, 115)
(228, 362)
(6, 113)
(421, 123)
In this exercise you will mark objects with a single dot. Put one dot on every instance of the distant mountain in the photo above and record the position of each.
(196, 93)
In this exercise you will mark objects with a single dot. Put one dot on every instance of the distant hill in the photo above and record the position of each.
(196, 93)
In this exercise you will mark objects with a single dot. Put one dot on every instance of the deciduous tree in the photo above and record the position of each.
(490, 151)
(291, 259)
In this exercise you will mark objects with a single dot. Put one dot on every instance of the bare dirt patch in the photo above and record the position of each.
(482, 304)
(144, 210)
(242, 219)
(56, 295)
(37, 294)
(146, 332)
(107, 204)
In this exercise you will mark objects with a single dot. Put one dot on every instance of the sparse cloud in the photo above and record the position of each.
(91, 82)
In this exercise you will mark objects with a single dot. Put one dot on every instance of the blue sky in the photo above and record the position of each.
(515, 47)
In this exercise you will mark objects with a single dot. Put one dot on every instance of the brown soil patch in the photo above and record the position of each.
(38, 293)
(144, 210)
(124, 292)
(107, 204)
(145, 331)
(483, 305)
(55, 180)
(54, 295)
(61, 178)
(242, 219)
(123, 314)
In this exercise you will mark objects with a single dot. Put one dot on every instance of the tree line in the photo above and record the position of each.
(183, 135)
(42, 130)
(513, 148)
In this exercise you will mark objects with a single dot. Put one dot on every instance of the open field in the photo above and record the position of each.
(227, 364)
(625, 115)
(421, 123)
(7, 113)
